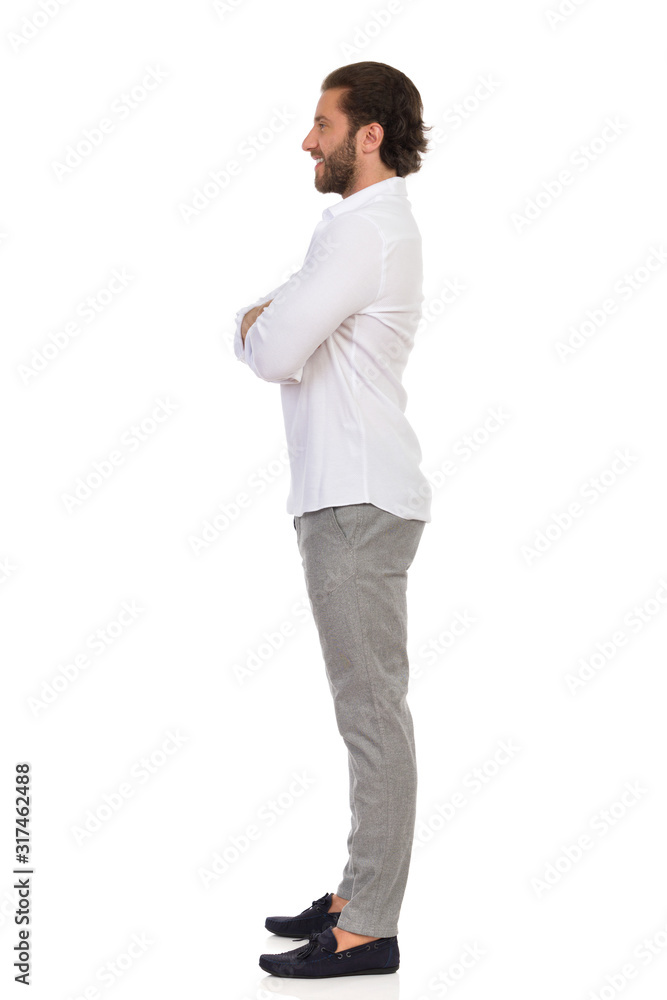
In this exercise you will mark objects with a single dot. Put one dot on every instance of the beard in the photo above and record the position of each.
(339, 170)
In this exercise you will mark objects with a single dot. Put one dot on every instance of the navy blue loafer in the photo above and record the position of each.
(312, 920)
(319, 959)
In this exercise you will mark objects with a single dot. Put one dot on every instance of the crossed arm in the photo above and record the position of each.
(343, 274)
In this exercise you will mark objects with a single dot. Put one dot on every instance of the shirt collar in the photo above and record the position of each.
(389, 186)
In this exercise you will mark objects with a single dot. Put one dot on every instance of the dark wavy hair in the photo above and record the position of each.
(375, 92)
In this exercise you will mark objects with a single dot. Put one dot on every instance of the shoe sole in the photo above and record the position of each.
(336, 975)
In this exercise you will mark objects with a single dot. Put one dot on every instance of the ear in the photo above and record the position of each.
(372, 139)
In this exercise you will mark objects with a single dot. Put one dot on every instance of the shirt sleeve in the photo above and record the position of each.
(239, 349)
(342, 275)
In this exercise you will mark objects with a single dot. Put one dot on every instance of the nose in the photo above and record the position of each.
(309, 141)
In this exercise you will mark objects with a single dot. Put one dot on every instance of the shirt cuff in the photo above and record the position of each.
(239, 349)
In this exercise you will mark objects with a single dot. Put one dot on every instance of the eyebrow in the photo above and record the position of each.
(321, 118)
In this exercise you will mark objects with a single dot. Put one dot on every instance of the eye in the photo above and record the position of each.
(321, 125)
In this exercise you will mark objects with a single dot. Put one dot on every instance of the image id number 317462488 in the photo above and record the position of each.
(22, 914)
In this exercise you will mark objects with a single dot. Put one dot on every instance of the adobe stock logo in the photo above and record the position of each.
(140, 774)
(100, 640)
(131, 440)
(471, 784)
(237, 845)
(596, 317)
(635, 621)
(89, 309)
(581, 158)
(566, 8)
(592, 490)
(32, 24)
(220, 179)
(601, 823)
(95, 136)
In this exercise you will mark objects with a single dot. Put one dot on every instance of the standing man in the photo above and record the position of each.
(337, 336)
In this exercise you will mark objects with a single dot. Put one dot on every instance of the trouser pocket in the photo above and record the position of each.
(345, 519)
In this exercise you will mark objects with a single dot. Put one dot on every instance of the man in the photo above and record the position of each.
(337, 336)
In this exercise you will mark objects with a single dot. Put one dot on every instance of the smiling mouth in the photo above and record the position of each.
(318, 163)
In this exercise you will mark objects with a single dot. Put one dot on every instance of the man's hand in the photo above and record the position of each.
(250, 318)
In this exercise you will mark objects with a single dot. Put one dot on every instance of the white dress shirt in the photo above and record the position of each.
(337, 336)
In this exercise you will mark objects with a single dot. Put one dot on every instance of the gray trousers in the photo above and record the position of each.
(355, 559)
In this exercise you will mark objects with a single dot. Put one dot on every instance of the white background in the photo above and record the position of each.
(176, 666)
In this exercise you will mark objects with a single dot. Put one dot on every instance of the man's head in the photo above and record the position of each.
(367, 127)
